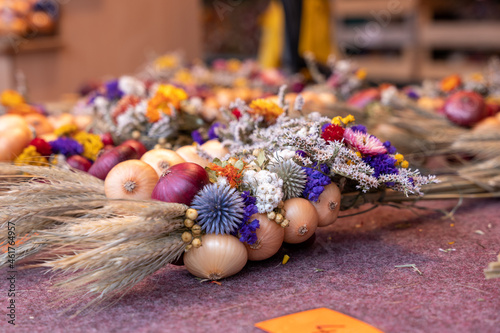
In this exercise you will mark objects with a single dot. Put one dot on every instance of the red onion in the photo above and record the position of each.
(107, 139)
(137, 146)
(364, 97)
(109, 159)
(79, 162)
(180, 183)
(465, 108)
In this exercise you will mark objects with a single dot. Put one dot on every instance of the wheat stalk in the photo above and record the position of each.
(493, 270)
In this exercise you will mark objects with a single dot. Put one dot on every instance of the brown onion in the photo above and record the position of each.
(180, 183)
(270, 237)
(328, 205)
(189, 154)
(40, 123)
(109, 159)
(15, 135)
(303, 220)
(218, 257)
(132, 179)
(161, 159)
(215, 149)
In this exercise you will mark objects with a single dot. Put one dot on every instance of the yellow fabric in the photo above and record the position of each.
(315, 29)
(271, 43)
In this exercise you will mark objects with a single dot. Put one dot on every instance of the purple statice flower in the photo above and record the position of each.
(197, 137)
(324, 126)
(359, 128)
(412, 94)
(246, 231)
(382, 164)
(390, 148)
(112, 90)
(301, 153)
(212, 131)
(66, 146)
(316, 182)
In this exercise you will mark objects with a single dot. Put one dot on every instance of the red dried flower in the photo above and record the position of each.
(42, 146)
(236, 112)
(333, 133)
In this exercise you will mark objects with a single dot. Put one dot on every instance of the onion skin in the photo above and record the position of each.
(15, 135)
(40, 123)
(109, 159)
(137, 146)
(132, 179)
(79, 162)
(180, 183)
(189, 154)
(303, 220)
(465, 108)
(215, 149)
(218, 257)
(162, 159)
(270, 236)
(328, 205)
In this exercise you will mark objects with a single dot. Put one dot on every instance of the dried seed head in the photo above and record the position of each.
(285, 223)
(162, 141)
(279, 218)
(271, 215)
(196, 242)
(188, 223)
(186, 237)
(196, 230)
(189, 247)
(192, 214)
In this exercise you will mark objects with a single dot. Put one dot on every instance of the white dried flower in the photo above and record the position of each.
(266, 186)
(131, 86)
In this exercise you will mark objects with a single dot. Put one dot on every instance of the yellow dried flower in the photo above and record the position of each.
(166, 97)
(405, 164)
(31, 156)
(361, 73)
(66, 130)
(91, 143)
(233, 65)
(11, 98)
(339, 121)
(166, 61)
(266, 108)
(184, 76)
(399, 158)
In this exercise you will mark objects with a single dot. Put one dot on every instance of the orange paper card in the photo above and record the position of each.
(320, 320)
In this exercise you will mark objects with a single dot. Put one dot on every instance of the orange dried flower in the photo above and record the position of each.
(166, 97)
(233, 175)
(266, 108)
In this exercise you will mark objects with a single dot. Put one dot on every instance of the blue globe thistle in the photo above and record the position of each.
(220, 209)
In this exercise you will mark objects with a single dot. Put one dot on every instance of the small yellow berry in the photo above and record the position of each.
(271, 215)
(188, 223)
(285, 223)
(189, 247)
(192, 214)
(196, 230)
(196, 242)
(279, 218)
(157, 146)
(186, 237)
(162, 141)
